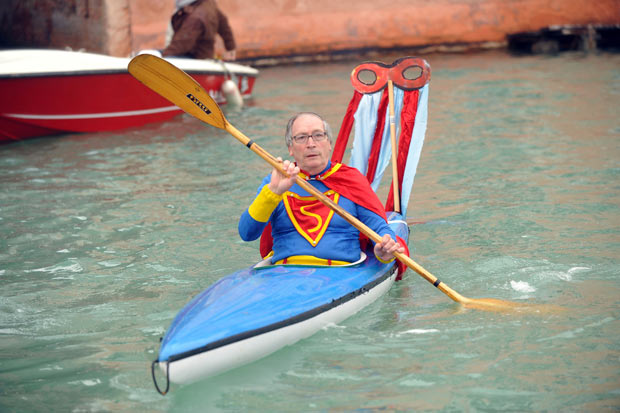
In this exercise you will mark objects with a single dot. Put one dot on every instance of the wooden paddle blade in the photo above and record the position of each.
(493, 304)
(487, 304)
(178, 87)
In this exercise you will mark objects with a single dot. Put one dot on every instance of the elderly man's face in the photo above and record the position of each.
(311, 156)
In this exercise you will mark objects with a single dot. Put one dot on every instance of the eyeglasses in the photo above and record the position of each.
(316, 136)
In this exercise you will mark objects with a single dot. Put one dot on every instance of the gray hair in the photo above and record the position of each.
(288, 138)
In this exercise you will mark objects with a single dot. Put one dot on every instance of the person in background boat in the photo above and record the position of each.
(297, 228)
(196, 24)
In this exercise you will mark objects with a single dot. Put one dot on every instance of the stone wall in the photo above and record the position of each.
(92, 25)
(265, 28)
(149, 22)
(281, 27)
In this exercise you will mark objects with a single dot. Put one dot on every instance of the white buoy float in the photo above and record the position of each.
(230, 90)
(232, 94)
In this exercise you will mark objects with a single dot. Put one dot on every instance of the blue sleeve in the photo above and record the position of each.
(374, 222)
(249, 228)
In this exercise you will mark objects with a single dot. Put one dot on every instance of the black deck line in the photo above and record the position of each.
(284, 323)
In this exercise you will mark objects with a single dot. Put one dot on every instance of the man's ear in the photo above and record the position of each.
(290, 150)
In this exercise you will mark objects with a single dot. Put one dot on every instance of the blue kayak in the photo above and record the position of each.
(255, 311)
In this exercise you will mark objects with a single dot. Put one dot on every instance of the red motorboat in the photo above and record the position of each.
(48, 92)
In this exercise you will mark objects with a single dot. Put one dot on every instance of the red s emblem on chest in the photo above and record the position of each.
(309, 216)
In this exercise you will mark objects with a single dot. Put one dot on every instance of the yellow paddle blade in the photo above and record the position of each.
(486, 304)
(502, 306)
(178, 87)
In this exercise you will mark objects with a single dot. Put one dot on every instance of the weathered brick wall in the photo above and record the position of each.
(292, 27)
(53, 24)
(150, 19)
(282, 27)
(115, 27)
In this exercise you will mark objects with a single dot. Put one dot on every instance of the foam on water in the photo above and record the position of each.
(522, 286)
(420, 331)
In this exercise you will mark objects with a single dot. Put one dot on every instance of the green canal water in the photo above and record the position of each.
(104, 237)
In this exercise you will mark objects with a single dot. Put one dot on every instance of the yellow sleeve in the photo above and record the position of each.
(264, 204)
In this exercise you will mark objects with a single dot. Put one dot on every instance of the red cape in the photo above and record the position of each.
(351, 184)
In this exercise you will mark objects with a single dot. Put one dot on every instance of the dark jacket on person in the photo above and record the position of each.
(195, 28)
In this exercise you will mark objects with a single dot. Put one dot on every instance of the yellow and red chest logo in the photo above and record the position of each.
(309, 215)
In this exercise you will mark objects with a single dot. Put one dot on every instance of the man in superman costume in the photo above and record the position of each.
(296, 228)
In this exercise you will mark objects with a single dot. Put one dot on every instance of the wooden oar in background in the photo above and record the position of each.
(371, 77)
(395, 183)
(179, 88)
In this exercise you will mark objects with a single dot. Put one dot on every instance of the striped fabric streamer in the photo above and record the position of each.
(372, 151)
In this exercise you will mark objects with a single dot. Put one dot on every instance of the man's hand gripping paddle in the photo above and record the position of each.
(180, 89)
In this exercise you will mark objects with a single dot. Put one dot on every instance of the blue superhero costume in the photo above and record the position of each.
(304, 230)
